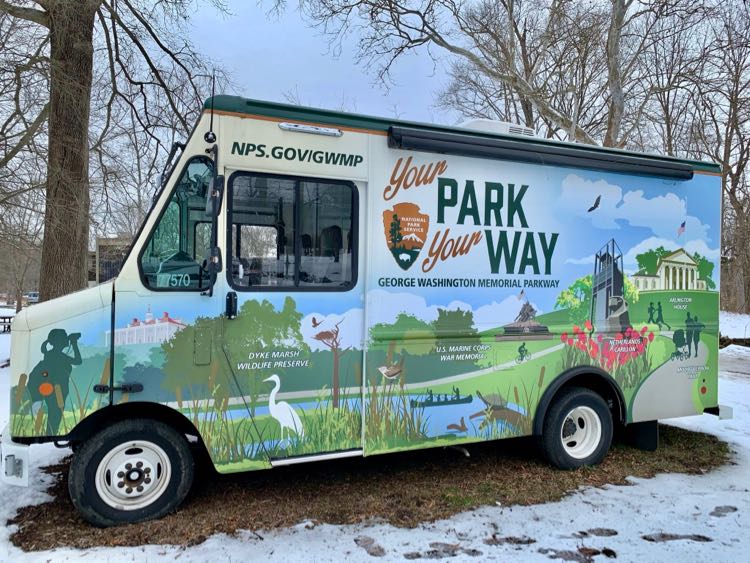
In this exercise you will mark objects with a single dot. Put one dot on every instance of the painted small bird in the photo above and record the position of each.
(596, 204)
(316, 323)
(392, 371)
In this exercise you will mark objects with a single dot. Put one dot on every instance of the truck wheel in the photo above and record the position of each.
(131, 471)
(577, 429)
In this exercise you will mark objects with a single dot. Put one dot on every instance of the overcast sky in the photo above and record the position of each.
(270, 56)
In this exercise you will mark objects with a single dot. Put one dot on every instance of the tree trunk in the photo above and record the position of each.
(335, 383)
(66, 217)
(19, 299)
(616, 106)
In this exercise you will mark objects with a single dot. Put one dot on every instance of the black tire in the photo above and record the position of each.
(556, 449)
(120, 443)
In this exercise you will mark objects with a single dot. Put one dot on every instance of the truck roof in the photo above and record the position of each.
(442, 135)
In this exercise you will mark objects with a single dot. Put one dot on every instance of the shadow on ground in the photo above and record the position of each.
(403, 489)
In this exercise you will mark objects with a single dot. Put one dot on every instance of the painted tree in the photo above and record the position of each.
(149, 63)
(332, 340)
(395, 232)
(576, 298)
(648, 261)
(705, 270)
(182, 376)
(406, 330)
(260, 327)
(455, 324)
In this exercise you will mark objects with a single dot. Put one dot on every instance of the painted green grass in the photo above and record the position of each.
(233, 440)
(557, 321)
(704, 304)
(390, 421)
(490, 382)
(507, 351)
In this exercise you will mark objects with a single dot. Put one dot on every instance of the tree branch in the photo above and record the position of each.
(28, 14)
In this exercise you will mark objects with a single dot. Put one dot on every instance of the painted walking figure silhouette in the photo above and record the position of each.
(651, 312)
(697, 328)
(660, 317)
(49, 381)
(689, 323)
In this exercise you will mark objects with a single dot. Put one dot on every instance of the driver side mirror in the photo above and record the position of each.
(214, 194)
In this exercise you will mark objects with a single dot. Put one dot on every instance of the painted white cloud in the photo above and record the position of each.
(496, 314)
(581, 261)
(350, 329)
(386, 307)
(661, 214)
(691, 247)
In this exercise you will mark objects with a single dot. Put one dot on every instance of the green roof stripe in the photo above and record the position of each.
(238, 104)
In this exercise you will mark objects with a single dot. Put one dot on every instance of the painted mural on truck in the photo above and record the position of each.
(482, 282)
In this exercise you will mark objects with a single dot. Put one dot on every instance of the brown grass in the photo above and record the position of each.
(403, 489)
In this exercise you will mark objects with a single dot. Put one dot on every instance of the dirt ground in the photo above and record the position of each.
(403, 489)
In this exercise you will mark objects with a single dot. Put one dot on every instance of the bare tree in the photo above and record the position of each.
(720, 131)
(150, 64)
(332, 340)
(573, 66)
(20, 241)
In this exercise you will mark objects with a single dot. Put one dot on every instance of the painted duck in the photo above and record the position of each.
(461, 427)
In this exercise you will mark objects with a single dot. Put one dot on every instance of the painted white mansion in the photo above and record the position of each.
(677, 270)
(150, 330)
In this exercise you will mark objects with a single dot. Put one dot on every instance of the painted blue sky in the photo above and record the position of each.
(640, 213)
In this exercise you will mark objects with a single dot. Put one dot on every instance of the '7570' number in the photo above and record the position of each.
(173, 280)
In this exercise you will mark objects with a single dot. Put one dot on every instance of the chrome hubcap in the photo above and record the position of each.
(581, 432)
(133, 475)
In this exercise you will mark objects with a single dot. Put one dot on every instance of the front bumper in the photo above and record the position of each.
(724, 412)
(14, 461)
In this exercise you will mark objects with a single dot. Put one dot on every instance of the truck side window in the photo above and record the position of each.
(291, 232)
(172, 257)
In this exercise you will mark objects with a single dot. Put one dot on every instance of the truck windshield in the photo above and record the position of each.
(173, 255)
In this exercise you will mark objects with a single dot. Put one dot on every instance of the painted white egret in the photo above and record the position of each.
(283, 412)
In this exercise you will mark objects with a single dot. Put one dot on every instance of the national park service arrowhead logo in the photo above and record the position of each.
(405, 232)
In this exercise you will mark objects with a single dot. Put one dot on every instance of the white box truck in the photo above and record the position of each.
(311, 284)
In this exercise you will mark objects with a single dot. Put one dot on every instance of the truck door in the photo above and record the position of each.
(164, 322)
(293, 331)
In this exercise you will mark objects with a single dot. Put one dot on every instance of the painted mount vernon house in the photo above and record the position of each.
(340, 285)
(677, 270)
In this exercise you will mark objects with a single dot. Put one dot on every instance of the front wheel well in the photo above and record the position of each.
(588, 377)
(107, 416)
